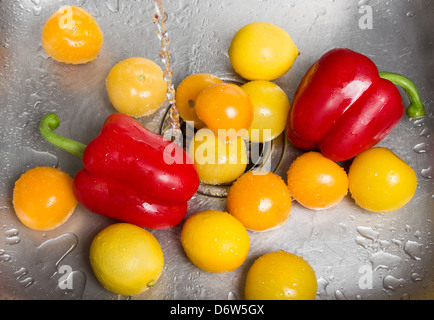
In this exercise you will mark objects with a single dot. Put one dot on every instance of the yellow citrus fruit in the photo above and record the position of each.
(126, 259)
(215, 241)
(72, 35)
(43, 198)
(136, 86)
(260, 200)
(317, 182)
(262, 51)
(217, 162)
(380, 181)
(280, 275)
(187, 93)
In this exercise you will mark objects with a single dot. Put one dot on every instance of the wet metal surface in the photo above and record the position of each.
(355, 254)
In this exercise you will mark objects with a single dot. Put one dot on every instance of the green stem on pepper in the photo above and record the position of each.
(416, 108)
(48, 124)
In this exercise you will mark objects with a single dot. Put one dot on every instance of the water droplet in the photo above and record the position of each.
(385, 260)
(12, 237)
(232, 296)
(426, 132)
(421, 147)
(416, 277)
(339, 295)
(368, 232)
(410, 14)
(22, 278)
(413, 249)
(427, 173)
(392, 283)
(4, 256)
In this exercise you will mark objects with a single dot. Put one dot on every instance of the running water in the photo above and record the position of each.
(159, 20)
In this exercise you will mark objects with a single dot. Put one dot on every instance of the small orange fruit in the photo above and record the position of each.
(187, 92)
(43, 198)
(260, 200)
(72, 35)
(226, 109)
(317, 182)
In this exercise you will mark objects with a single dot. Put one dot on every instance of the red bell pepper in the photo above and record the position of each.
(344, 106)
(126, 175)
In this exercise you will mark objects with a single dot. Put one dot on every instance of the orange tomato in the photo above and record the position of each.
(225, 107)
(43, 198)
(260, 200)
(136, 86)
(187, 92)
(72, 35)
(317, 182)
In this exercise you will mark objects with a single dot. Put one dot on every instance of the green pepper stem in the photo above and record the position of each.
(48, 124)
(416, 108)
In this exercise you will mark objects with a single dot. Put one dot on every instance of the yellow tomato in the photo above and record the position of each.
(260, 200)
(270, 110)
(43, 198)
(317, 182)
(380, 181)
(126, 259)
(136, 86)
(187, 92)
(215, 241)
(262, 51)
(280, 275)
(72, 35)
(226, 109)
(217, 162)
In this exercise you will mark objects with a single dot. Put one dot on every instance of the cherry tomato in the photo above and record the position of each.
(260, 200)
(227, 107)
(136, 86)
(270, 110)
(262, 51)
(43, 198)
(72, 35)
(217, 162)
(380, 181)
(317, 182)
(280, 275)
(187, 92)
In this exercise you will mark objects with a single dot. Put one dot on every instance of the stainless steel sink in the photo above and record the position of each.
(355, 254)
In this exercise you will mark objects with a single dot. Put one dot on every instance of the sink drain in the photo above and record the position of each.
(264, 157)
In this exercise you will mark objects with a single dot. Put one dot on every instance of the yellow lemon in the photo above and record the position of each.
(215, 241)
(380, 181)
(280, 275)
(262, 51)
(126, 259)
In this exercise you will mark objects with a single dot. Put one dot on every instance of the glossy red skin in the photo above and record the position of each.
(126, 177)
(342, 107)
